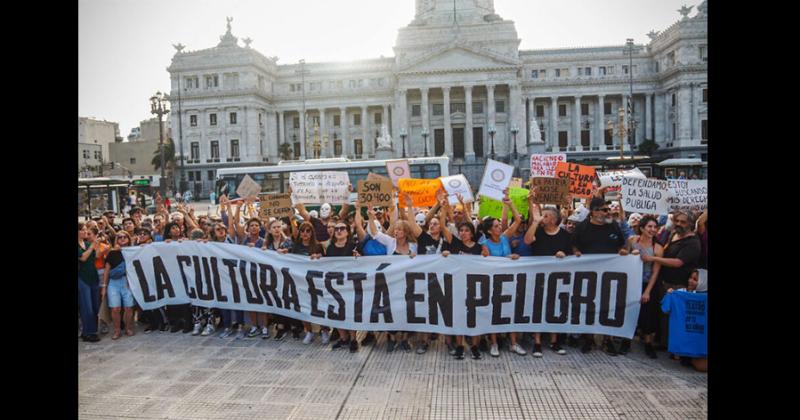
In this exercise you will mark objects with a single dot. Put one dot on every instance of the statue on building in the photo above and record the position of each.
(247, 42)
(385, 140)
(652, 34)
(179, 47)
(685, 10)
(536, 135)
(229, 19)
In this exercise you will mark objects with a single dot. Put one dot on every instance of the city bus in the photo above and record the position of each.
(100, 194)
(275, 178)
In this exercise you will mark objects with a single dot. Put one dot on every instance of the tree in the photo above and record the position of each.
(170, 163)
(648, 147)
(286, 151)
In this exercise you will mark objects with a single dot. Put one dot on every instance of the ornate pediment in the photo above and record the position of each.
(457, 57)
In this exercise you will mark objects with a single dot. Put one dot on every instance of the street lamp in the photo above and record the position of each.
(491, 136)
(403, 135)
(316, 143)
(425, 140)
(514, 131)
(158, 106)
(621, 130)
(629, 44)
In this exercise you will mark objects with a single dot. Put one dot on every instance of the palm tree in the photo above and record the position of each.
(648, 147)
(169, 159)
(285, 150)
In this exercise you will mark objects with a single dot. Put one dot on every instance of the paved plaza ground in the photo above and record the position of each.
(178, 376)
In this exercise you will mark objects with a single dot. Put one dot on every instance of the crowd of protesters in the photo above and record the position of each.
(671, 247)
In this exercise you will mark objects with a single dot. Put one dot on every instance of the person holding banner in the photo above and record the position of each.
(497, 243)
(115, 284)
(276, 240)
(88, 290)
(645, 244)
(342, 245)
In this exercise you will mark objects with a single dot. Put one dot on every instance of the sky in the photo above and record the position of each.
(125, 46)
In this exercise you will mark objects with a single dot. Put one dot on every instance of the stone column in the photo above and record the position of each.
(600, 124)
(624, 105)
(302, 136)
(469, 149)
(528, 115)
(402, 114)
(426, 125)
(685, 113)
(366, 141)
(345, 134)
(323, 133)
(281, 128)
(491, 120)
(554, 122)
(448, 135)
(648, 116)
(576, 125)
(668, 108)
(514, 102)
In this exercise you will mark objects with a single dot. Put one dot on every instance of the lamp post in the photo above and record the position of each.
(403, 135)
(158, 106)
(629, 45)
(425, 140)
(317, 143)
(514, 131)
(491, 136)
(621, 130)
(303, 73)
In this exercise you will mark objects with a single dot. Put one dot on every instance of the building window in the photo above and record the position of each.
(233, 117)
(191, 176)
(353, 84)
(356, 119)
(415, 110)
(212, 81)
(704, 131)
(540, 111)
(542, 132)
(296, 122)
(296, 148)
(558, 72)
(340, 84)
(607, 108)
(477, 107)
(587, 71)
(562, 139)
(543, 73)
(378, 117)
(438, 109)
(610, 70)
(193, 120)
(674, 130)
(534, 74)
(671, 59)
(359, 147)
(609, 138)
(235, 148)
(656, 66)
(212, 119)
(260, 122)
(705, 95)
(562, 110)
(458, 107)
(602, 71)
(584, 109)
(673, 99)
(97, 155)
(499, 106)
(195, 151)
(215, 150)
(133, 161)
(336, 121)
(703, 52)
(337, 147)
(585, 138)
(210, 175)
(580, 71)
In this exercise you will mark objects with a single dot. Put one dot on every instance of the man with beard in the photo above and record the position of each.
(598, 235)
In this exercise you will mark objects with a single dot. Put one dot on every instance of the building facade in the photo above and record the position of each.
(458, 86)
(103, 133)
(135, 156)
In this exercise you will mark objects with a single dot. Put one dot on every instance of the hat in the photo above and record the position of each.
(598, 202)
(420, 219)
(579, 215)
(634, 216)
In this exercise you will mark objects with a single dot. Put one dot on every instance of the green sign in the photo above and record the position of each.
(494, 208)
(144, 182)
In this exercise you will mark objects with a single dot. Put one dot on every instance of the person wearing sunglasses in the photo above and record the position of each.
(115, 284)
(342, 245)
(276, 240)
(88, 285)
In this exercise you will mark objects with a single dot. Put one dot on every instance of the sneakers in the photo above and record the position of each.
(339, 344)
(516, 348)
(226, 332)
(253, 331)
(459, 353)
(163, 327)
(353, 345)
(494, 351)
(404, 346)
(422, 348)
(279, 334)
(326, 338)
(197, 328)
(450, 349)
(265, 333)
(650, 351)
(103, 328)
(390, 344)
(239, 335)
(610, 348)
(308, 338)
(483, 345)
(625, 347)
(557, 349)
(369, 339)
(208, 330)
(476, 354)
(91, 338)
(537, 350)
(295, 333)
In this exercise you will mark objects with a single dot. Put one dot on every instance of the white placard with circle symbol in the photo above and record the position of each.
(457, 184)
(496, 178)
(398, 169)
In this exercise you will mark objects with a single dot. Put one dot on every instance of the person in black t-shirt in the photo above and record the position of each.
(342, 245)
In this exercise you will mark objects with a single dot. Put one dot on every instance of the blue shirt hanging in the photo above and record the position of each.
(688, 330)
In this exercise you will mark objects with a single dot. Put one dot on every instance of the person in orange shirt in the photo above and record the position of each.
(104, 315)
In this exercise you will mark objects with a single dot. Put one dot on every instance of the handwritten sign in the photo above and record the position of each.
(457, 184)
(398, 169)
(496, 178)
(688, 195)
(580, 177)
(248, 187)
(422, 191)
(551, 190)
(275, 205)
(655, 196)
(614, 178)
(494, 208)
(377, 177)
(544, 165)
(320, 187)
(375, 193)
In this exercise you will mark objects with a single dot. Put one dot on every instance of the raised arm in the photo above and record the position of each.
(301, 208)
(535, 218)
(234, 224)
(701, 222)
(415, 229)
(373, 231)
(517, 218)
(360, 223)
(445, 205)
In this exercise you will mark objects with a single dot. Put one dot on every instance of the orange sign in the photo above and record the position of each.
(581, 178)
(422, 191)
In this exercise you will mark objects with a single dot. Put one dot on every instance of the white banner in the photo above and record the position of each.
(689, 194)
(457, 184)
(496, 178)
(248, 187)
(320, 187)
(545, 164)
(453, 295)
(614, 178)
(655, 196)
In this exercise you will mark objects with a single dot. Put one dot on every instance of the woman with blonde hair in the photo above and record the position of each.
(115, 284)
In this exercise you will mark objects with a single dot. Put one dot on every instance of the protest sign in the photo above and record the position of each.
(398, 169)
(377, 177)
(320, 187)
(614, 178)
(688, 195)
(496, 177)
(457, 184)
(248, 187)
(656, 196)
(275, 205)
(581, 178)
(375, 193)
(422, 191)
(544, 165)
(494, 208)
(550, 190)
(457, 295)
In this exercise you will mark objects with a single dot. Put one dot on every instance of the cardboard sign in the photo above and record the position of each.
(581, 178)
(457, 184)
(496, 178)
(275, 205)
(544, 165)
(320, 187)
(422, 191)
(248, 187)
(614, 178)
(377, 177)
(398, 169)
(375, 193)
(494, 208)
(688, 195)
(551, 190)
